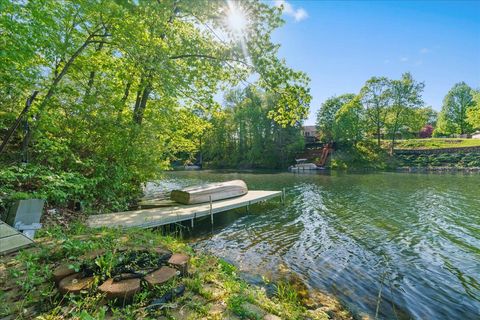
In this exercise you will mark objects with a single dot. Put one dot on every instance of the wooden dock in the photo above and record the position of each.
(11, 239)
(149, 218)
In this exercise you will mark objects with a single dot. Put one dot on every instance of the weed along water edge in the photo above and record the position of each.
(388, 245)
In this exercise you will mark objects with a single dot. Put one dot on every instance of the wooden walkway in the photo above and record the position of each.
(11, 239)
(149, 218)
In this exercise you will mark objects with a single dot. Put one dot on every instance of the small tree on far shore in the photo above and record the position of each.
(456, 105)
(406, 95)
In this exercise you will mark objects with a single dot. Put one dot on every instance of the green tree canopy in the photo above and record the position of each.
(127, 87)
(376, 97)
(350, 121)
(473, 113)
(453, 116)
(244, 136)
(406, 96)
(327, 114)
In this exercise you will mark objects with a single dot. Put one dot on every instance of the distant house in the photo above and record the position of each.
(476, 135)
(310, 134)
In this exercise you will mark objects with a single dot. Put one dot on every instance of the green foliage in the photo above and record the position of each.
(102, 188)
(457, 104)
(454, 160)
(473, 113)
(327, 114)
(287, 293)
(383, 107)
(406, 98)
(375, 96)
(350, 122)
(437, 143)
(243, 135)
(236, 304)
(364, 155)
(125, 88)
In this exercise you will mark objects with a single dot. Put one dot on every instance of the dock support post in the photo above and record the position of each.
(193, 219)
(211, 211)
(283, 196)
(192, 222)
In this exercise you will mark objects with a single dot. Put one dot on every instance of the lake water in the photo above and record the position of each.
(415, 238)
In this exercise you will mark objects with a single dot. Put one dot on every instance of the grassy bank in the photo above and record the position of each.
(424, 153)
(435, 143)
(214, 289)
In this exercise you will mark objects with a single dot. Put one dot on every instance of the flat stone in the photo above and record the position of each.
(180, 262)
(160, 276)
(123, 289)
(61, 272)
(74, 283)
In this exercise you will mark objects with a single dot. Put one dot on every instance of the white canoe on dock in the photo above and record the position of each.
(210, 192)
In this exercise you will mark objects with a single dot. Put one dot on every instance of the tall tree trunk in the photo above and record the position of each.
(123, 100)
(62, 73)
(141, 104)
(17, 122)
(378, 135)
(395, 129)
(142, 98)
(91, 78)
(125, 94)
(51, 91)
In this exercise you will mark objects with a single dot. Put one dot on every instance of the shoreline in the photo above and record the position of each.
(215, 289)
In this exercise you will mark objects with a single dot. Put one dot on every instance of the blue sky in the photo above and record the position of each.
(341, 44)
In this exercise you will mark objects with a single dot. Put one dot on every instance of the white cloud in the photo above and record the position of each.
(403, 59)
(298, 14)
(424, 50)
(386, 61)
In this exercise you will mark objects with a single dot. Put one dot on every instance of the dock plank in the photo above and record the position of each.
(6, 230)
(11, 239)
(149, 218)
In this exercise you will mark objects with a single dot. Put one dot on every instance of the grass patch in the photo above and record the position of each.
(434, 143)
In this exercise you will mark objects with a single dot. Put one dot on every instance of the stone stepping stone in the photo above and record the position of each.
(160, 276)
(74, 283)
(162, 251)
(61, 272)
(180, 262)
(123, 289)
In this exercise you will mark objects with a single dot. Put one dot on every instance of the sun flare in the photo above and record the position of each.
(237, 20)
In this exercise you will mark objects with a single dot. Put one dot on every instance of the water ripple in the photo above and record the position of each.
(413, 237)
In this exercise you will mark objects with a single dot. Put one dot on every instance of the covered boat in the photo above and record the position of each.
(213, 191)
(303, 165)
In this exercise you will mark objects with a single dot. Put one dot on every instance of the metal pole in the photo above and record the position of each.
(211, 211)
(283, 196)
